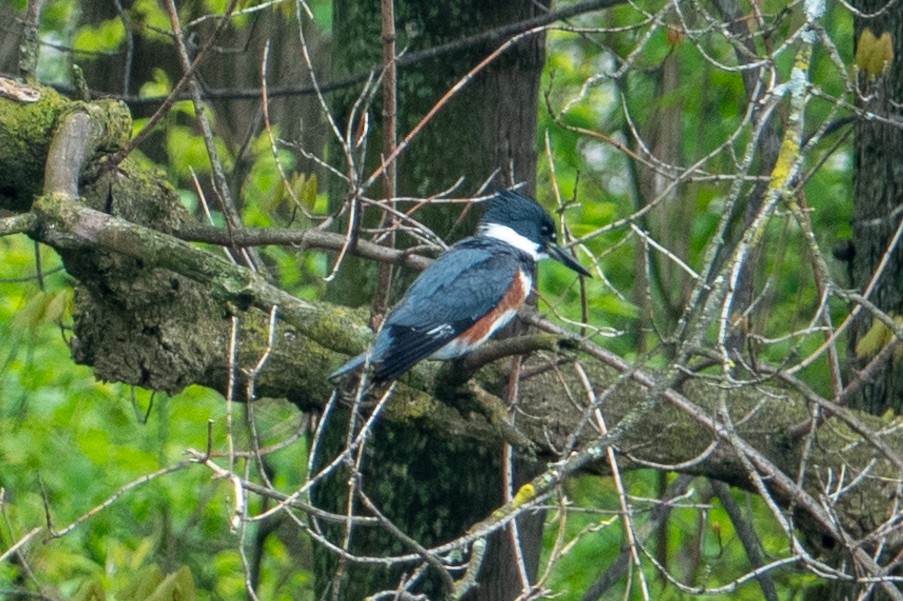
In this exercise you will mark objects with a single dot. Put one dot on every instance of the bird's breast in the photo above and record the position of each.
(497, 317)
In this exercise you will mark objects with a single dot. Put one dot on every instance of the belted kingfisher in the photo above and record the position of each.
(470, 291)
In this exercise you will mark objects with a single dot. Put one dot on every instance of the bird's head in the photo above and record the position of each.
(521, 222)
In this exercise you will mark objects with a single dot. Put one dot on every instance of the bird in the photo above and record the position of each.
(469, 292)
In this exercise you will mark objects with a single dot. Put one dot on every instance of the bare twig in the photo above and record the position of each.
(380, 300)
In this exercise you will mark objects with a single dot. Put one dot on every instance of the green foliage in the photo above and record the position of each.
(43, 307)
(152, 585)
(158, 85)
(90, 590)
(876, 338)
(102, 37)
(874, 54)
(698, 543)
(277, 196)
(76, 442)
(147, 584)
(187, 152)
(322, 13)
(265, 189)
(149, 15)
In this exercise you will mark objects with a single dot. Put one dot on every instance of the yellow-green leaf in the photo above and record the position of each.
(874, 55)
(42, 307)
(90, 590)
(308, 196)
(158, 85)
(875, 339)
(297, 185)
(178, 586)
(142, 585)
(106, 36)
(56, 307)
(524, 494)
(869, 345)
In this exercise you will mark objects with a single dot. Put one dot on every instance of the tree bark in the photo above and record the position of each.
(877, 212)
(878, 207)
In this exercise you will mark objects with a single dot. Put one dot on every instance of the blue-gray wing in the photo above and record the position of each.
(461, 286)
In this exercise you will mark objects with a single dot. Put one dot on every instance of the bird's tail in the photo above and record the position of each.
(349, 367)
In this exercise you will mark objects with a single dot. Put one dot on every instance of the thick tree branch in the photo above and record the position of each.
(309, 238)
(24, 223)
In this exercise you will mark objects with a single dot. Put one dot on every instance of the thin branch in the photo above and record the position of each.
(309, 238)
(453, 91)
(627, 523)
(748, 538)
(380, 301)
(615, 570)
(129, 47)
(20, 543)
(116, 495)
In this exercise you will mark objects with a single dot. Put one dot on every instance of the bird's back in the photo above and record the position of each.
(465, 284)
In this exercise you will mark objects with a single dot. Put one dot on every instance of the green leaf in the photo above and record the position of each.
(103, 37)
(875, 339)
(178, 586)
(874, 54)
(142, 585)
(149, 14)
(308, 195)
(46, 306)
(159, 85)
(90, 590)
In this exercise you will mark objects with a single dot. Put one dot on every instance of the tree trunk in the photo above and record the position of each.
(877, 204)
(435, 489)
(878, 207)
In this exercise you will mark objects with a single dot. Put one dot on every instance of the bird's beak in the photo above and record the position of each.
(561, 255)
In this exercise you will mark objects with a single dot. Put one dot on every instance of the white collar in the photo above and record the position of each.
(509, 236)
